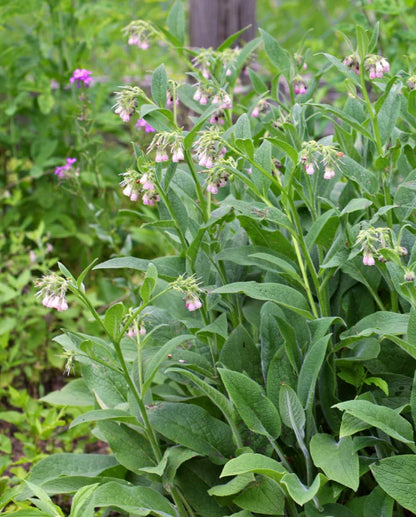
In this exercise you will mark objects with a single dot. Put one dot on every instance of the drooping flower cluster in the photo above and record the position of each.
(190, 288)
(167, 141)
(376, 66)
(127, 101)
(299, 85)
(139, 33)
(208, 147)
(65, 170)
(136, 184)
(52, 290)
(81, 77)
(219, 174)
(142, 124)
(372, 240)
(261, 106)
(411, 82)
(313, 154)
(353, 62)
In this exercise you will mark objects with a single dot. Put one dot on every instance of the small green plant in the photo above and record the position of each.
(266, 366)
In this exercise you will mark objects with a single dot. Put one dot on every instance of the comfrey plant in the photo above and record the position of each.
(267, 368)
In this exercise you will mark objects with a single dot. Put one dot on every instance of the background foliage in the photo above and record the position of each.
(43, 121)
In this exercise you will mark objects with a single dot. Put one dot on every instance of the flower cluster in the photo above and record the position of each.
(376, 66)
(52, 290)
(219, 174)
(373, 240)
(411, 82)
(190, 288)
(65, 170)
(261, 106)
(127, 102)
(299, 85)
(81, 77)
(139, 33)
(313, 154)
(164, 140)
(208, 147)
(135, 184)
(353, 62)
(142, 124)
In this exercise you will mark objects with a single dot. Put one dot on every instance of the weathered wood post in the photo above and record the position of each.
(212, 21)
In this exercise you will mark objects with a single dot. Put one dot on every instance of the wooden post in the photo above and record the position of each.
(212, 21)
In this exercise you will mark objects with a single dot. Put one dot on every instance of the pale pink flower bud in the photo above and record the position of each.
(309, 168)
(256, 112)
(134, 196)
(127, 191)
(213, 188)
(177, 155)
(329, 173)
(197, 95)
(368, 259)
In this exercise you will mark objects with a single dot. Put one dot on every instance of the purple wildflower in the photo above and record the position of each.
(63, 169)
(141, 123)
(82, 77)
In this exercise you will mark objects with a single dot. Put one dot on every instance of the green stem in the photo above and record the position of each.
(168, 205)
(201, 198)
(371, 112)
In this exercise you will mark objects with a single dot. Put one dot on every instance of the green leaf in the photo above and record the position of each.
(380, 322)
(276, 54)
(374, 38)
(413, 399)
(85, 272)
(362, 42)
(232, 487)
(82, 502)
(256, 410)
(259, 85)
(135, 500)
(193, 427)
(152, 366)
(327, 109)
(171, 461)
(213, 394)
(300, 493)
(365, 178)
(240, 353)
(176, 21)
(104, 414)
(281, 265)
(67, 464)
(397, 477)
(44, 502)
(382, 417)
(337, 459)
(310, 369)
(242, 135)
(378, 503)
(265, 497)
(255, 463)
(389, 113)
(159, 86)
(131, 449)
(323, 229)
(291, 410)
(113, 318)
(75, 393)
(279, 293)
(149, 283)
(358, 204)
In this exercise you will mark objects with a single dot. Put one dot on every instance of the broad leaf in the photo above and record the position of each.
(337, 459)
